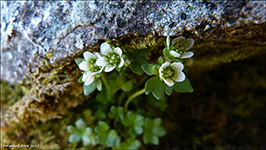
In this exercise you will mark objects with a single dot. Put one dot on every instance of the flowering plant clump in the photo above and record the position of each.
(106, 71)
(81, 132)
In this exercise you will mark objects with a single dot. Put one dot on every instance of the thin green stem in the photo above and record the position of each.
(106, 85)
(133, 96)
(121, 98)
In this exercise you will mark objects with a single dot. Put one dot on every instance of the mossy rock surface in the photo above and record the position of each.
(61, 31)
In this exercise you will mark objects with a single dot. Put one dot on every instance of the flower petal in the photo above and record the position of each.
(88, 55)
(177, 66)
(89, 80)
(118, 51)
(168, 42)
(187, 55)
(97, 55)
(188, 43)
(84, 66)
(100, 70)
(179, 76)
(174, 54)
(178, 39)
(165, 64)
(162, 67)
(169, 82)
(121, 62)
(85, 77)
(102, 61)
(109, 68)
(105, 48)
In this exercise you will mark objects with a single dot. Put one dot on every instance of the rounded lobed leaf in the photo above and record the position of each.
(71, 129)
(74, 138)
(147, 68)
(158, 90)
(80, 124)
(128, 86)
(88, 89)
(156, 122)
(150, 84)
(159, 131)
(102, 127)
(154, 139)
(86, 140)
(184, 86)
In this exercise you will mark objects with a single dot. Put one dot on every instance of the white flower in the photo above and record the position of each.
(90, 67)
(111, 59)
(172, 72)
(183, 45)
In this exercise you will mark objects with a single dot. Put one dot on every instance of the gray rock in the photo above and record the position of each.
(32, 30)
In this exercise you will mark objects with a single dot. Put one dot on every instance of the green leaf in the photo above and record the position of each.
(154, 139)
(142, 53)
(160, 60)
(168, 90)
(71, 129)
(123, 145)
(147, 137)
(80, 79)
(138, 129)
(148, 123)
(155, 69)
(112, 139)
(150, 84)
(120, 110)
(184, 86)
(121, 80)
(127, 119)
(139, 120)
(102, 127)
(158, 90)
(88, 131)
(81, 124)
(100, 114)
(137, 61)
(74, 138)
(132, 132)
(166, 52)
(147, 68)
(156, 122)
(130, 144)
(86, 141)
(87, 115)
(88, 89)
(136, 68)
(99, 84)
(115, 112)
(78, 60)
(127, 86)
(103, 96)
(159, 131)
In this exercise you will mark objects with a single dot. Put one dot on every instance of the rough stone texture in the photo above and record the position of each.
(31, 31)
